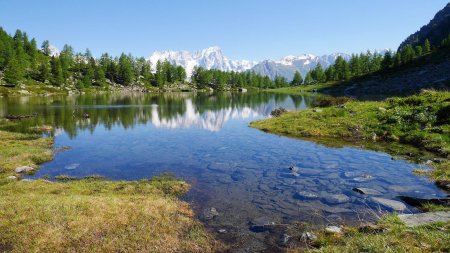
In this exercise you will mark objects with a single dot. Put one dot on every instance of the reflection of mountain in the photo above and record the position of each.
(210, 120)
(175, 110)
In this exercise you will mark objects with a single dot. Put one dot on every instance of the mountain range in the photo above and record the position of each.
(213, 58)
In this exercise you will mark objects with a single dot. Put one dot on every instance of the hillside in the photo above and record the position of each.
(427, 72)
(435, 31)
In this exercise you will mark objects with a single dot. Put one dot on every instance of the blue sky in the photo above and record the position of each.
(244, 29)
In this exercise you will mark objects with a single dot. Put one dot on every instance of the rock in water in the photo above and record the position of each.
(394, 204)
(294, 168)
(366, 191)
(22, 169)
(210, 213)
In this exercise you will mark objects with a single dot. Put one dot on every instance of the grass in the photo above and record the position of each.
(388, 235)
(98, 216)
(90, 214)
(22, 149)
(421, 121)
(298, 90)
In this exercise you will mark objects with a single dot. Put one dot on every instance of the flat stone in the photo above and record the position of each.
(72, 166)
(394, 204)
(335, 198)
(418, 219)
(333, 229)
(22, 169)
(11, 177)
(307, 195)
(366, 191)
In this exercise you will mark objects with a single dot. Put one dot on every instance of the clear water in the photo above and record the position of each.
(205, 139)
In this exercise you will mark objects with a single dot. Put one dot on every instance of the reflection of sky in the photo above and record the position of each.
(209, 120)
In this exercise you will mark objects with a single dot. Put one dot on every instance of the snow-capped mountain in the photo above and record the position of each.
(209, 58)
(213, 58)
(288, 65)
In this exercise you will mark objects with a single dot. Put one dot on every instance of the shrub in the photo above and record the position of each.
(331, 101)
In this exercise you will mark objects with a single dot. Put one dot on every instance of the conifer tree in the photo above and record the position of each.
(427, 46)
(46, 47)
(13, 71)
(298, 79)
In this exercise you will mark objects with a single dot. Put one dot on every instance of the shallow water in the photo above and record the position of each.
(205, 139)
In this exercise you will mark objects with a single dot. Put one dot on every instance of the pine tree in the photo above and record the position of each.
(44, 72)
(57, 76)
(298, 79)
(427, 46)
(13, 72)
(309, 79)
(125, 75)
(419, 50)
(46, 47)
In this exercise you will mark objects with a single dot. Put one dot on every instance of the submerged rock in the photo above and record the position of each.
(335, 198)
(366, 191)
(22, 169)
(306, 195)
(418, 219)
(72, 166)
(394, 204)
(210, 213)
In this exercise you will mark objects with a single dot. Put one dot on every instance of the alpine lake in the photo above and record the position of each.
(242, 178)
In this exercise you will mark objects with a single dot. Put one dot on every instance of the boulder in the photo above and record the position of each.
(393, 204)
(308, 236)
(23, 169)
(210, 213)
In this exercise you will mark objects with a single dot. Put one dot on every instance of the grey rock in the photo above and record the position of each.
(308, 236)
(366, 191)
(317, 110)
(210, 213)
(363, 178)
(394, 204)
(333, 229)
(222, 231)
(284, 240)
(22, 169)
(72, 166)
(418, 219)
(11, 177)
(294, 169)
(27, 180)
(335, 198)
(307, 195)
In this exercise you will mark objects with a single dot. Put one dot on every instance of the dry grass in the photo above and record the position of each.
(98, 216)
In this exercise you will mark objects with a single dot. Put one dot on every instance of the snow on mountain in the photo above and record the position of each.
(287, 66)
(213, 58)
(208, 58)
(54, 51)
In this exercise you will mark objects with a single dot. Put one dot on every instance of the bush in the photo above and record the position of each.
(331, 101)
(277, 112)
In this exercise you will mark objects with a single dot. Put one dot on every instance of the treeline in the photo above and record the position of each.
(22, 61)
(217, 79)
(366, 63)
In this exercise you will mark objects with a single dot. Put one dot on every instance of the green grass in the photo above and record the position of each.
(395, 238)
(421, 121)
(90, 214)
(22, 149)
(298, 90)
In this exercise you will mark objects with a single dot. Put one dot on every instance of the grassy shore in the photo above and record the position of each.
(421, 121)
(91, 214)
(388, 235)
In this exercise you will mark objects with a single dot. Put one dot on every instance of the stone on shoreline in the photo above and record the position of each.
(418, 219)
(22, 169)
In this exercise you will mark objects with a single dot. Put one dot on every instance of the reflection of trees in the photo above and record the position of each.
(203, 110)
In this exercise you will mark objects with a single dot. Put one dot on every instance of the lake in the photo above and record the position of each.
(239, 171)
